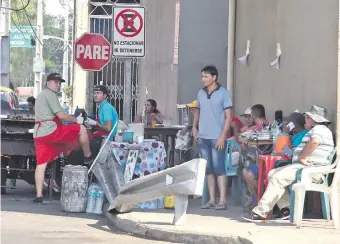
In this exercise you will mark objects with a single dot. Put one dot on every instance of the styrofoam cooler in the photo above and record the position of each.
(74, 189)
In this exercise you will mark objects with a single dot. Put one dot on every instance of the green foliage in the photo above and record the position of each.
(21, 64)
(68, 91)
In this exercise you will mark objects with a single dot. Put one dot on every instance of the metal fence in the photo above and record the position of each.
(120, 75)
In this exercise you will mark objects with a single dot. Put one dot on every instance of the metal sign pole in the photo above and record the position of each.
(39, 50)
(127, 90)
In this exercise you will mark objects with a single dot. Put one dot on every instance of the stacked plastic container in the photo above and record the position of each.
(95, 199)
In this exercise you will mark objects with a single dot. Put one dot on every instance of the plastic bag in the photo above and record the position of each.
(182, 141)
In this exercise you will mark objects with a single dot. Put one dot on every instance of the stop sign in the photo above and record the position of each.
(92, 51)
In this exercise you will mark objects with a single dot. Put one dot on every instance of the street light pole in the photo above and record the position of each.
(39, 61)
(66, 39)
(4, 42)
(65, 55)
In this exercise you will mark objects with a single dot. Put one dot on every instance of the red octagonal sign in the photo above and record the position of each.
(92, 51)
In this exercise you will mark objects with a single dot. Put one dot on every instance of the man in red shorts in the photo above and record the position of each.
(51, 137)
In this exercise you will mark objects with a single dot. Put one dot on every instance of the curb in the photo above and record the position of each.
(142, 230)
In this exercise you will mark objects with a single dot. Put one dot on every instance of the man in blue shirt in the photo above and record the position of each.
(297, 127)
(107, 115)
(213, 117)
(106, 118)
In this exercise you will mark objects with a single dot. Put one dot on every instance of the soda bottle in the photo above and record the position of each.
(144, 118)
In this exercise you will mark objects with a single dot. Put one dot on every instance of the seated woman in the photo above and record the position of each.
(235, 128)
(151, 113)
(233, 135)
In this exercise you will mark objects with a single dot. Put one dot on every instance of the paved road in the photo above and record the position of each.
(24, 222)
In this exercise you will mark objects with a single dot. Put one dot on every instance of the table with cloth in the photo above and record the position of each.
(151, 157)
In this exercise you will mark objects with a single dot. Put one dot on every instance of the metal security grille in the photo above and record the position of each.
(120, 75)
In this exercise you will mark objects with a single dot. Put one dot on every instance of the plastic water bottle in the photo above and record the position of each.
(144, 118)
(65, 108)
(141, 205)
(153, 204)
(99, 202)
(160, 202)
(91, 199)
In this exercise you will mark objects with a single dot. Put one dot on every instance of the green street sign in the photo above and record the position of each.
(20, 36)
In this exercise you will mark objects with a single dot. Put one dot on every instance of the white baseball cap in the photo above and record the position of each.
(247, 112)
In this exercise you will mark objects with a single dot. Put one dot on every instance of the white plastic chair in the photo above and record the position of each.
(306, 184)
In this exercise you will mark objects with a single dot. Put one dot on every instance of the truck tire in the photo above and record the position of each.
(3, 181)
(4, 163)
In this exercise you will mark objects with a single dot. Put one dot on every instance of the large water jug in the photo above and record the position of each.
(92, 198)
(74, 189)
(99, 202)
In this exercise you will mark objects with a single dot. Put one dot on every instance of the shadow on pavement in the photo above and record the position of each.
(20, 200)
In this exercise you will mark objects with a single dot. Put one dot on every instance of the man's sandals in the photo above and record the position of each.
(210, 205)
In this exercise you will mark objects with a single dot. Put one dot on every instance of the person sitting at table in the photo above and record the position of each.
(248, 156)
(248, 120)
(106, 118)
(250, 174)
(235, 128)
(258, 117)
(313, 151)
(297, 128)
(151, 113)
(238, 127)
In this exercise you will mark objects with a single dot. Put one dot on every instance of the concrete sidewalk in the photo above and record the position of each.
(25, 222)
(224, 226)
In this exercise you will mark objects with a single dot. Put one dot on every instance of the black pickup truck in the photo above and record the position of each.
(17, 147)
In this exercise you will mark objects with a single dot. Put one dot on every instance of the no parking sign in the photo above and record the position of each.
(129, 31)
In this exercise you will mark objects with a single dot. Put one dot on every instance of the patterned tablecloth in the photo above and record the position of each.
(151, 156)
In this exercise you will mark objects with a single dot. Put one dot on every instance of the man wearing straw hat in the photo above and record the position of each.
(314, 150)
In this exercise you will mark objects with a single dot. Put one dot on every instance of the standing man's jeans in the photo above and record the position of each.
(215, 159)
(277, 190)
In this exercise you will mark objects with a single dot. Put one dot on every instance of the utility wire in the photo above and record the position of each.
(23, 35)
(18, 9)
(15, 24)
(36, 37)
(29, 21)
